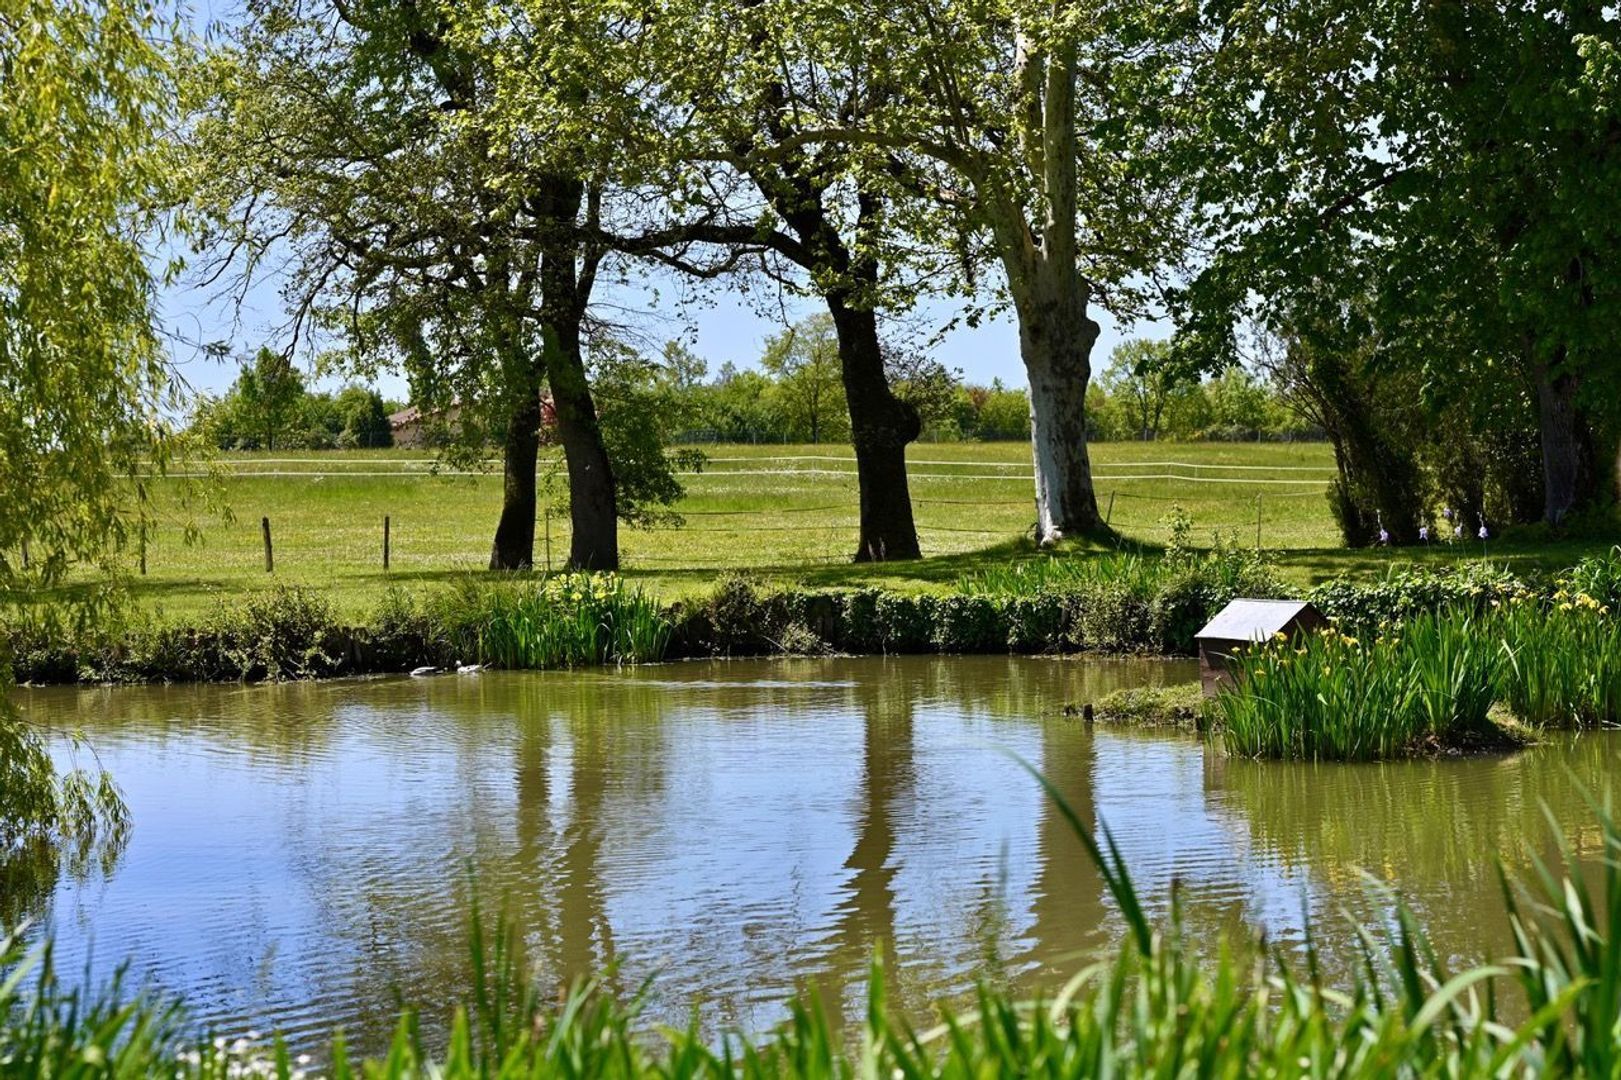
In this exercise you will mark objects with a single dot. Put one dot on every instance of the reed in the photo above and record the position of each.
(1563, 661)
(569, 620)
(1330, 696)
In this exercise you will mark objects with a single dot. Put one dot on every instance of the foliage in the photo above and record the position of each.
(1330, 696)
(1153, 706)
(563, 621)
(1563, 660)
(1433, 183)
(1599, 576)
(85, 90)
(1141, 377)
(1368, 607)
(804, 361)
(269, 409)
(641, 410)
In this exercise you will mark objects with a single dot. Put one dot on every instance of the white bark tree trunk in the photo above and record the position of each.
(1050, 294)
(1055, 342)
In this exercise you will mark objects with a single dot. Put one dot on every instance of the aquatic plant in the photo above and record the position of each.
(1563, 661)
(564, 621)
(1599, 576)
(1332, 696)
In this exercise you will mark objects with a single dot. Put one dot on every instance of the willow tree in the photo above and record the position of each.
(84, 380)
(1027, 126)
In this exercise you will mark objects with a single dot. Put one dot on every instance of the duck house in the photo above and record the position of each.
(1243, 623)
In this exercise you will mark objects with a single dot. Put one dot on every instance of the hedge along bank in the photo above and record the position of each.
(575, 620)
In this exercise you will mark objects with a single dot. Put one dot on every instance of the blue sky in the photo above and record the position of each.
(721, 325)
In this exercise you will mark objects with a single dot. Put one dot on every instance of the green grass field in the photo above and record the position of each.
(784, 512)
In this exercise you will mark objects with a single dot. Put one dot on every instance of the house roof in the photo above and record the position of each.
(407, 415)
(1254, 620)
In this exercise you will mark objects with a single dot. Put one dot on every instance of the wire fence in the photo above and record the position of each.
(798, 508)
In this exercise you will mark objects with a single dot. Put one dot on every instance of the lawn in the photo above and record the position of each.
(784, 512)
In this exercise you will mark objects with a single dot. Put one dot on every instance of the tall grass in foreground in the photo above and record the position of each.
(1160, 1007)
(564, 621)
(1331, 696)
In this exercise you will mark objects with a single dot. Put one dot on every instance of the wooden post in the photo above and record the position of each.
(1110, 514)
(548, 539)
(143, 552)
(1257, 522)
(270, 558)
(25, 554)
(385, 541)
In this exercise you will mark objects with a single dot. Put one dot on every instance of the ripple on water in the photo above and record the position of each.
(303, 855)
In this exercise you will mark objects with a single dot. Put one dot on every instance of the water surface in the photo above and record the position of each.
(302, 855)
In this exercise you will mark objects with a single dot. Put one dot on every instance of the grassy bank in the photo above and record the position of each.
(786, 514)
(527, 621)
(1117, 604)
(1164, 1006)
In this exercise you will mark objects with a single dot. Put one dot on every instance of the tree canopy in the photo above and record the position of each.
(85, 94)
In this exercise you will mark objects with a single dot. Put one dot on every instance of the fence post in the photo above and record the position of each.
(1110, 513)
(385, 541)
(548, 539)
(1257, 521)
(270, 559)
(25, 554)
(143, 552)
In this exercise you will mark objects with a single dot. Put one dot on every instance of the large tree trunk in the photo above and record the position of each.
(1055, 341)
(881, 425)
(1569, 475)
(565, 292)
(514, 547)
(593, 506)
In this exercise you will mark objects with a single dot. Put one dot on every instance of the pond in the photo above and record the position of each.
(303, 855)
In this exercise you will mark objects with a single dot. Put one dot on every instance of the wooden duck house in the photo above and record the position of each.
(1243, 623)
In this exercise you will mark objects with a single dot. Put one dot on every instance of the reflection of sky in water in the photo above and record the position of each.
(735, 830)
(1151, 796)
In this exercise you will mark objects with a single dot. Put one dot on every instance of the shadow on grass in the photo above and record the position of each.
(929, 570)
(1523, 555)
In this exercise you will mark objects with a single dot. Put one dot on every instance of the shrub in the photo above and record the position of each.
(1598, 576)
(286, 632)
(1363, 608)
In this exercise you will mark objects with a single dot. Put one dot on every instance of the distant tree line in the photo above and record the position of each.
(797, 396)
(270, 407)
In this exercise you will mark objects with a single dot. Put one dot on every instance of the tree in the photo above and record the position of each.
(1140, 371)
(84, 379)
(804, 359)
(741, 108)
(983, 111)
(922, 382)
(682, 369)
(1451, 169)
(271, 391)
(363, 418)
(353, 141)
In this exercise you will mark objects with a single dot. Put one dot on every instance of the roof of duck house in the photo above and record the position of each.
(1257, 620)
